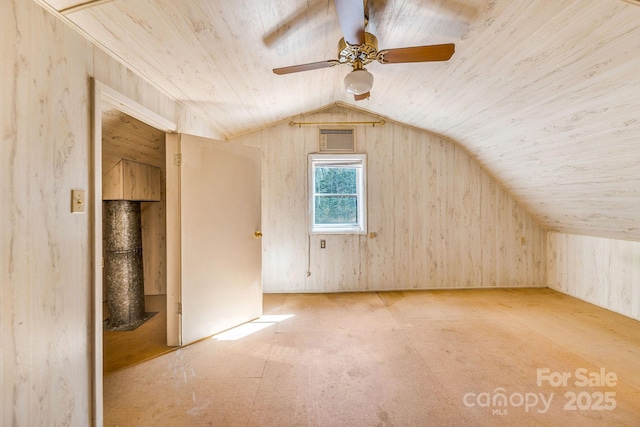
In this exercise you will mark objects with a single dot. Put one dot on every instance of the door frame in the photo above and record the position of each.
(104, 94)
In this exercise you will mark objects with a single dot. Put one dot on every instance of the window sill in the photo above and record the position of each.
(338, 231)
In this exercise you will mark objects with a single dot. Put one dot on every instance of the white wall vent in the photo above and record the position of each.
(337, 141)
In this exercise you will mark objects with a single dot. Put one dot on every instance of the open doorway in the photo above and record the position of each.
(131, 145)
(108, 104)
(213, 255)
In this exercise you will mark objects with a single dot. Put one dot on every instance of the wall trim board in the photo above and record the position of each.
(345, 291)
(120, 102)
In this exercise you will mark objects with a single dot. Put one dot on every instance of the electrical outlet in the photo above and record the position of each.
(323, 244)
(78, 203)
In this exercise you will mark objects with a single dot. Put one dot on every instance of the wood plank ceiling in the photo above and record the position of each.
(545, 94)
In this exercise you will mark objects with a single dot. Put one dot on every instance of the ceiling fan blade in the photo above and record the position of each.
(362, 97)
(437, 52)
(351, 16)
(306, 67)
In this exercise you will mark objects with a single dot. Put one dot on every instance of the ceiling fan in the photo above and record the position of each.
(358, 48)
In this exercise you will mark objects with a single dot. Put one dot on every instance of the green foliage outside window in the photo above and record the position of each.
(336, 210)
(335, 180)
(337, 194)
(336, 198)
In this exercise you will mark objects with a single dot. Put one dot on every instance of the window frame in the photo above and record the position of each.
(358, 161)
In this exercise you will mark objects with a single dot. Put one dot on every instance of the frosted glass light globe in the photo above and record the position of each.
(358, 82)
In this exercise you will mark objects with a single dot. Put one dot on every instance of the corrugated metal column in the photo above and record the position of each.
(124, 277)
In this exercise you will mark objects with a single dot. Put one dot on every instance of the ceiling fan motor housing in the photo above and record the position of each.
(365, 53)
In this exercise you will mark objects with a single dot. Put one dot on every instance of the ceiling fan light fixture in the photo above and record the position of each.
(358, 81)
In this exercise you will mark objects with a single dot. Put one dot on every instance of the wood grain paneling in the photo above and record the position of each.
(126, 137)
(46, 274)
(113, 182)
(65, 4)
(129, 180)
(543, 95)
(605, 272)
(440, 220)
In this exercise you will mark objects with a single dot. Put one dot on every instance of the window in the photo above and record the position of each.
(337, 193)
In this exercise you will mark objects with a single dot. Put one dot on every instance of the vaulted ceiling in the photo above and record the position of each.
(544, 94)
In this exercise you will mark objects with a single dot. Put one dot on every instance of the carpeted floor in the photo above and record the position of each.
(423, 358)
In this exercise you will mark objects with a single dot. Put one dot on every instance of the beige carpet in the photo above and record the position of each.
(424, 358)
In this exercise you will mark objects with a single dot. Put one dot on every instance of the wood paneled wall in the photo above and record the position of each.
(122, 79)
(45, 305)
(605, 272)
(45, 271)
(441, 221)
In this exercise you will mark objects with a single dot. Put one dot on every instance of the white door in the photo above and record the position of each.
(221, 257)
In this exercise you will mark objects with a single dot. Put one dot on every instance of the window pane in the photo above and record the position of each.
(332, 180)
(336, 210)
(337, 195)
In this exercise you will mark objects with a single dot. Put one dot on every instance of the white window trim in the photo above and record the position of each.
(361, 160)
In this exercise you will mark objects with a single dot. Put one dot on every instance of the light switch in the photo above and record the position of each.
(78, 203)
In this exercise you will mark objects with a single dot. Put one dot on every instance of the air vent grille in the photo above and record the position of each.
(337, 141)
